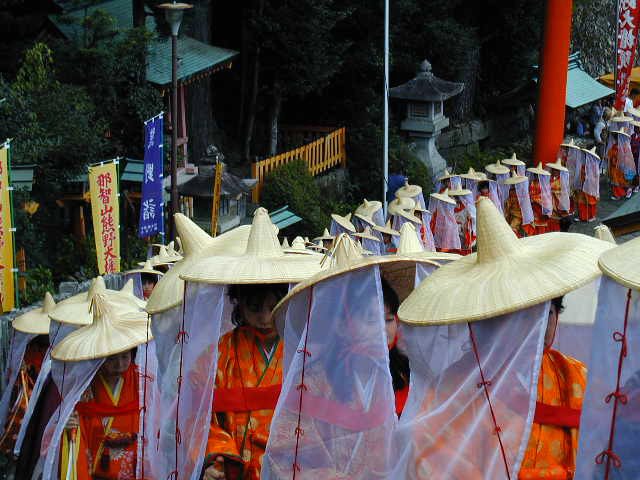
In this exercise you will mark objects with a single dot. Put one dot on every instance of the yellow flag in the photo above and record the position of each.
(7, 287)
(103, 188)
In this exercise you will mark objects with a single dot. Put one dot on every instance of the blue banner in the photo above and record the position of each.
(151, 205)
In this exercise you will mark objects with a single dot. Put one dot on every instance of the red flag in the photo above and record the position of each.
(628, 20)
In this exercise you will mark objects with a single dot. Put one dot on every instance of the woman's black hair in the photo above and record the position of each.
(253, 293)
(557, 302)
(398, 361)
(148, 277)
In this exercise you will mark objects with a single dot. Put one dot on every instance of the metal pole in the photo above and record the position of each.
(615, 53)
(174, 136)
(385, 169)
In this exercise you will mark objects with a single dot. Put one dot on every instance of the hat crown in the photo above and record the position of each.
(147, 265)
(97, 286)
(471, 171)
(285, 243)
(345, 252)
(263, 241)
(602, 232)
(325, 233)
(49, 303)
(409, 242)
(495, 238)
(298, 243)
(127, 288)
(192, 237)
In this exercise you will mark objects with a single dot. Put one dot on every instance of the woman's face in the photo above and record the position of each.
(391, 325)
(257, 314)
(116, 365)
(147, 288)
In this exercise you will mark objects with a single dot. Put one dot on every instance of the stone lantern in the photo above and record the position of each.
(424, 96)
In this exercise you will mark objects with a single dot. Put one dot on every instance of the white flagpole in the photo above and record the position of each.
(385, 171)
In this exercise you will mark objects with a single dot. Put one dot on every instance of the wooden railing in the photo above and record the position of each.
(320, 155)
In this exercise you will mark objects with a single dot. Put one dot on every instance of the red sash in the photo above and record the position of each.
(246, 399)
(94, 409)
(557, 416)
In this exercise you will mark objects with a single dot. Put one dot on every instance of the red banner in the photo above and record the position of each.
(628, 17)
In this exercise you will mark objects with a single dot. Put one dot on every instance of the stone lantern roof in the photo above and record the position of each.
(426, 87)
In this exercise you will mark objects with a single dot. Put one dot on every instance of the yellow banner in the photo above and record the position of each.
(7, 287)
(103, 188)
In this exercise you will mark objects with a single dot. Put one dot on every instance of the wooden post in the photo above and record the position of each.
(552, 92)
(217, 192)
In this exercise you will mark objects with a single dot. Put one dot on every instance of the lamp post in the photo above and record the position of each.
(173, 14)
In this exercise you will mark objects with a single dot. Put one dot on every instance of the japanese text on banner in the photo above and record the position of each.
(151, 205)
(7, 286)
(103, 187)
(627, 43)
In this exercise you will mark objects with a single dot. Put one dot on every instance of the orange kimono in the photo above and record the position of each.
(619, 183)
(248, 384)
(29, 370)
(587, 204)
(540, 221)
(105, 445)
(551, 452)
(513, 215)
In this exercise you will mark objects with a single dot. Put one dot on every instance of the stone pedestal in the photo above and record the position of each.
(424, 146)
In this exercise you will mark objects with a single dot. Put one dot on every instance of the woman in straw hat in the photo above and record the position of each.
(465, 215)
(29, 343)
(402, 210)
(540, 195)
(144, 279)
(414, 192)
(368, 214)
(338, 407)
(518, 211)
(471, 179)
(477, 346)
(248, 373)
(588, 191)
(515, 165)
(341, 224)
(560, 195)
(622, 168)
(326, 239)
(443, 222)
(387, 233)
(444, 181)
(499, 173)
(369, 242)
(95, 431)
(609, 423)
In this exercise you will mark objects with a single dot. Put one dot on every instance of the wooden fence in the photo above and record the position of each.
(320, 155)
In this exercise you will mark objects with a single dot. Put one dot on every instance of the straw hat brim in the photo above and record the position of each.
(399, 271)
(35, 322)
(386, 230)
(364, 218)
(620, 132)
(367, 236)
(621, 119)
(512, 163)
(447, 176)
(622, 264)
(558, 167)
(514, 180)
(297, 251)
(344, 223)
(169, 291)
(545, 267)
(79, 313)
(539, 171)
(444, 198)
(570, 145)
(461, 192)
(144, 270)
(251, 269)
(496, 170)
(477, 176)
(409, 191)
(123, 333)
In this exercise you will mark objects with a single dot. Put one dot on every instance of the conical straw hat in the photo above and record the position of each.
(513, 161)
(409, 245)
(403, 207)
(77, 309)
(446, 175)
(111, 332)
(179, 244)
(346, 256)
(514, 179)
(367, 234)
(147, 268)
(444, 197)
(557, 165)
(344, 222)
(539, 170)
(459, 192)
(285, 243)
(602, 232)
(387, 229)
(592, 152)
(165, 256)
(169, 291)
(325, 236)
(473, 175)
(36, 321)
(622, 131)
(622, 264)
(408, 191)
(505, 275)
(263, 261)
(366, 210)
(571, 144)
(299, 247)
(497, 168)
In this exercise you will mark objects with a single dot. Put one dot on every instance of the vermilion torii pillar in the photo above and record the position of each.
(552, 91)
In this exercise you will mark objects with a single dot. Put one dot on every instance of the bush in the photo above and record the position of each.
(39, 281)
(293, 185)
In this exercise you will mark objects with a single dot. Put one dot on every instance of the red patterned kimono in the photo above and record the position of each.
(557, 214)
(587, 204)
(513, 215)
(465, 229)
(248, 384)
(22, 389)
(551, 452)
(540, 221)
(105, 445)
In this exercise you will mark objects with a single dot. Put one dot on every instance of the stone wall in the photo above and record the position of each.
(462, 138)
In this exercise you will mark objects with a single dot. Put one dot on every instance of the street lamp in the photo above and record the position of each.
(173, 14)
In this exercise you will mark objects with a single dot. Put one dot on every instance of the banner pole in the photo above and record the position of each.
(12, 232)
